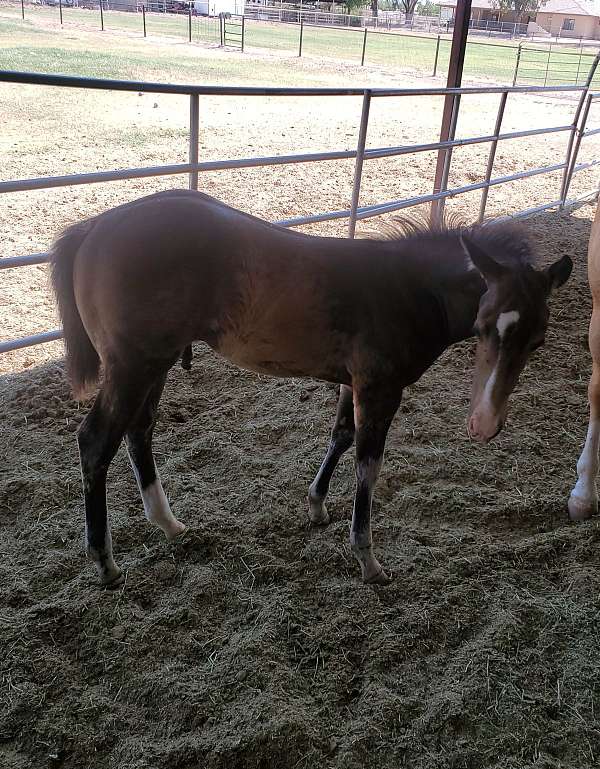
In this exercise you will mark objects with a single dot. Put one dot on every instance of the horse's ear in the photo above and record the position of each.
(490, 269)
(559, 272)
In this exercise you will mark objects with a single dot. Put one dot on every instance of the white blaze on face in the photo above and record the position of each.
(505, 321)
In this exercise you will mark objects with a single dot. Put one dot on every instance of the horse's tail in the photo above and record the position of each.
(83, 362)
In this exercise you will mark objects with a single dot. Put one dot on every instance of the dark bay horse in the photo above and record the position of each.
(137, 284)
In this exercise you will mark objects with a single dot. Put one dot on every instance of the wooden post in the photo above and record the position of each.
(144, 18)
(301, 32)
(60, 11)
(437, 53)
(243, 31)
(189, 22)
(101, 17)
(364, 48)
(455, 70)
(515, 76)
(548, 63)
(23, 9)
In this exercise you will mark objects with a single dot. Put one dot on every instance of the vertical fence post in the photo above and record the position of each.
(578, 65)
(439, 205)
(194, 132)
(360, 156)
(548, 63)
(572, 153)
(23, 9)
(101, 17)
(301, 33)
(189, 22)
(437, 53)
(516, 75)
(60, 11)
(450, 113)
(243, 31)
(364, 48)
(144, 18)
(492, 155)
(222, 29)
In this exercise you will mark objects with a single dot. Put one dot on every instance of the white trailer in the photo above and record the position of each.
(216, 7)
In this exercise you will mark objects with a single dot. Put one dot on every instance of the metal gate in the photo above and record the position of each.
(232, 31)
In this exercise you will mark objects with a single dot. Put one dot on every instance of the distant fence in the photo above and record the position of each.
(310, 36)
(383, 20)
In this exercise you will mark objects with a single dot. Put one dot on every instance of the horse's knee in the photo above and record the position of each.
(342, 437)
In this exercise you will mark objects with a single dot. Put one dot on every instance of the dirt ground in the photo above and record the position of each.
(251, 643)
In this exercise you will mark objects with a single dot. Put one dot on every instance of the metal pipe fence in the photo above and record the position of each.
(576, 132)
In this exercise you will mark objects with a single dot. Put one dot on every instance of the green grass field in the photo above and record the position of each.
(490, 61)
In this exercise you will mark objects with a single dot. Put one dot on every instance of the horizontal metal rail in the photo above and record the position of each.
(30, 341)
(24, 261)
(95, 177)
(398, 205)
(585, 166)
(70, 81)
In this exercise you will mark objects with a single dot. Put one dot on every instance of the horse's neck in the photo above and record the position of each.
(461, 299)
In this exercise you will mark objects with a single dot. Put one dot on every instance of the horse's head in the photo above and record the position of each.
(511, 323)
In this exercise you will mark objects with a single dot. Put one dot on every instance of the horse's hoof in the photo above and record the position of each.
(176, 530)
(380, 578)
(317, 512)
(581, 509)
(113, 581)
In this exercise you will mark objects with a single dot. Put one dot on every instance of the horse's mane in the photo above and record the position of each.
(507, 241)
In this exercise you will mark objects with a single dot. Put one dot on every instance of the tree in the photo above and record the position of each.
(427, 8)
(519, 7)
(408, 7)
(354, 5)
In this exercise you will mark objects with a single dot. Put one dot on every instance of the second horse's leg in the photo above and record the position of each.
(342, 437)
(583, 501)
(139, 447)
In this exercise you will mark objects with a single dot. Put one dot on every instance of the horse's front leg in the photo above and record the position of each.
(373, 414)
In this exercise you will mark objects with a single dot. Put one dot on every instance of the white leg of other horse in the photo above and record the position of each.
(583, 501)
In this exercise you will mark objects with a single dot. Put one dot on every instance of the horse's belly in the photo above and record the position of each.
(280, 358)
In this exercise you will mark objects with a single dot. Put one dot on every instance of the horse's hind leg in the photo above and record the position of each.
(139, 447)
(98, 438)
(583, 501)
(342, 438)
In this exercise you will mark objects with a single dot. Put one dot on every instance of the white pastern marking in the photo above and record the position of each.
(505, 320)
(587, 466)
(156, 504)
